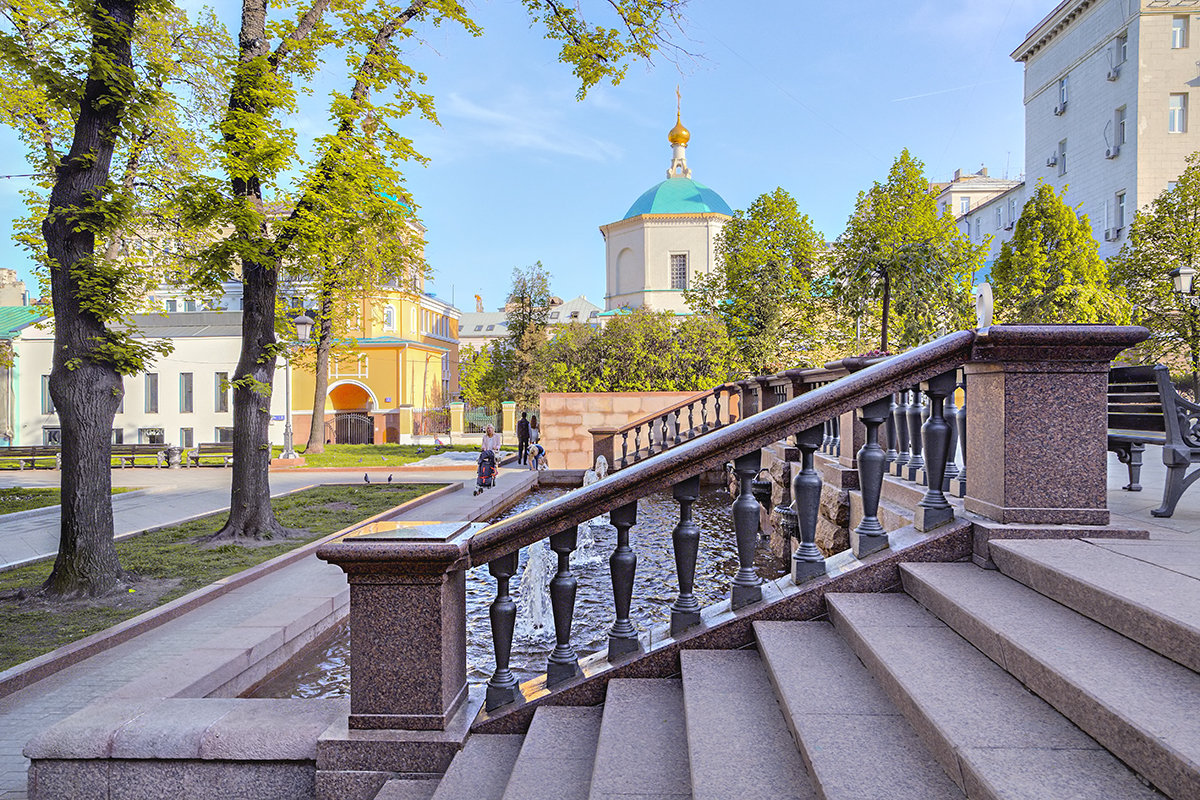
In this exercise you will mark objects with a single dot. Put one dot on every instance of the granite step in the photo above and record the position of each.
(557, 756)
(642, 748)
(398, 789)
(1148, 603)
(1141, 706)
(993, 738)
(481, 769)
(738, 741)
(838, 713)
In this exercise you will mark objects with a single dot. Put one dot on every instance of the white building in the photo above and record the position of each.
(665, 240)
(184, 400)
(1107, 105)
(480, 328)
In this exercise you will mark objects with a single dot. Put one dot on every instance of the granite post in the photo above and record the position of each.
(1036, 451)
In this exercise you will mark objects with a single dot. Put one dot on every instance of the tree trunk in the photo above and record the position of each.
(86, 390)
(316, 433)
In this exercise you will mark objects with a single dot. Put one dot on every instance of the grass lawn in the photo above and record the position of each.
(374, 455)
(19, 498)
(171, 563)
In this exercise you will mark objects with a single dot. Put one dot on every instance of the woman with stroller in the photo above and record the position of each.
(486, 474)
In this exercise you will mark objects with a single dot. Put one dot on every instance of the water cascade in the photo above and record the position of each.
(534, 617)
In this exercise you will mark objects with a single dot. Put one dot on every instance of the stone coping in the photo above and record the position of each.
(29, 672)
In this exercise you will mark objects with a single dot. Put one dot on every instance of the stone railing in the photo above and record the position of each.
(1036, 454)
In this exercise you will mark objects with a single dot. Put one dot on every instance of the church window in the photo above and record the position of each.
(553, 315)
(389, 318)
(679, 270)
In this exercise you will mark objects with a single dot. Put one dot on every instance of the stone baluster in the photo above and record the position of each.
(563, 664)
(637, 443)
(624, 449)
(502, 687)
(827, 435)
(960, 481)
(951, 414)
(704, 414)
(622, 637)
(691, 420)
(869, 536)
(747, 586)
(889, 426)
(934, 510)
(836, 445)
(807, 561)
(717, 407)
(916, 463)
(685, 612)
(900, 420)
(664, 429)
(678, 438)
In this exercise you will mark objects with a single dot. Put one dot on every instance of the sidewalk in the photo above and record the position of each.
(36, 707)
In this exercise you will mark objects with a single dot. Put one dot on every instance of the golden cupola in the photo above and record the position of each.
(679, 134)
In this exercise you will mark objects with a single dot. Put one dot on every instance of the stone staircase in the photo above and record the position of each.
(1069, 673)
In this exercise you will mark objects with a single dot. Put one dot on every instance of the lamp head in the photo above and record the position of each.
(304, 326)
(1182, 276)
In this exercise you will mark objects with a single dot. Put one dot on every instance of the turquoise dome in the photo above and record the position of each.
(679, 196)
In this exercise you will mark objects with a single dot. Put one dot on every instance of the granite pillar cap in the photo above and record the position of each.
(358, 556)
(1055, 342)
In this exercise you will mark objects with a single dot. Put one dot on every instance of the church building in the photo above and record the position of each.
(666, 239)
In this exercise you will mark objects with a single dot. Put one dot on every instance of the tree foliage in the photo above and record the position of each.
(1163, 237)
(1050, 271)
(762, 290)
(897, 250)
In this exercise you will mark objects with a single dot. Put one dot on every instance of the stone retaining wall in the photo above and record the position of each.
(566, 418)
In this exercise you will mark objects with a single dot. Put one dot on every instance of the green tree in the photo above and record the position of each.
(1050, 272)
(364, 151)
(897, 249)
(762, 288)
(87, 84)
(527, 314)
(481, 376)
(1163, 237)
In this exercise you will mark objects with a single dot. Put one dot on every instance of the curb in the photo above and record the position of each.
(31, 671)
(29, 512)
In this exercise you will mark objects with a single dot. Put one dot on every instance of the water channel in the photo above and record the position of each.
(325, 671)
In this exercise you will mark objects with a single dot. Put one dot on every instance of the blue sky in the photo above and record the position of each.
(817, 98)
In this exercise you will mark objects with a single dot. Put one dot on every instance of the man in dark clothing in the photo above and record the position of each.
(523, 438)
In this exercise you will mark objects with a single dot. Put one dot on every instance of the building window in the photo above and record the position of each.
(1177, 114)
(679, 271)
(47, 400)
(968, 229)
(491, 327)
(52, 437)
(118, 436)
(151, 436)
(185, 392)
(553, 315)
(172, 306)
(1179, 32)
(1119, 216)
(185, 437)
(224, 435)
(978, 228)
(1119, 127)
(478, 327)
(389, 318)
(999, 217)
(1062, 157)
(151, 392)
(964, 205)
(1122, 48)
(1012, 212)
(189, 305)
(221, 391)
(1062, 94)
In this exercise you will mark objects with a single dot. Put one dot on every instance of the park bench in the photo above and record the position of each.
(210, 450)
(1144, 408)
(127, 454)
(31, 454)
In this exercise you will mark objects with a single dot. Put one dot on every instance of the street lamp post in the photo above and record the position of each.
(1184, 279)
(304, 326)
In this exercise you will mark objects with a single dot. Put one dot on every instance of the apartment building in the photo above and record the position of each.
(1108, 87)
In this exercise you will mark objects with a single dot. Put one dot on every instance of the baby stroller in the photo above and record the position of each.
(486, 477)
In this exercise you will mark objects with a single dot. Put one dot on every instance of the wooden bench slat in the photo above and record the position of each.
(1137, 422)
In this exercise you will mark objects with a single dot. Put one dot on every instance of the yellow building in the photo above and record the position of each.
(401, 364)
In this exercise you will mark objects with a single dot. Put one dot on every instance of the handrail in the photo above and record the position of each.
(681, 404)
(716, 448)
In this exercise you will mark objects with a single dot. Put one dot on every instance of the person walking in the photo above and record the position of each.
(535, 433)
(491, 439)
(523, 438)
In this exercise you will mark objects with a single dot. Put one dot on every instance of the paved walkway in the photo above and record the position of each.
(24, 713)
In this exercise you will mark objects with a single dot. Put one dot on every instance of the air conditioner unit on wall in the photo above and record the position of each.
(1112, 152)
(1060, 109)
(1112, 234)
(1052, 160)
(1113, 74)
(1008, 227)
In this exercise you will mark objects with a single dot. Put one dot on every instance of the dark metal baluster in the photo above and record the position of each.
(960, 482)
(662, 440)
(870, 536)
(691, 421)
(704, 414)
(677, 436)
(622, 637)
(685, 612)
(807, 561)
(747, 586)
(827, 440)
(836, 445)
(624, 449)
(889, 426)
(502, 687)
(637, 444)
(900, 420)
(934, 510)
(717, 408)
(917, 462)
(951, 415)
(563, 664)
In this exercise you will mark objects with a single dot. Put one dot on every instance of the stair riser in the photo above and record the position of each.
(1178, 642)
(1143, 752)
